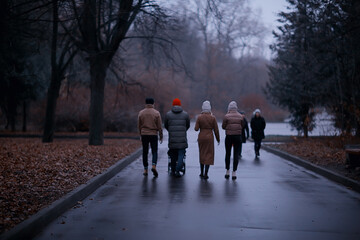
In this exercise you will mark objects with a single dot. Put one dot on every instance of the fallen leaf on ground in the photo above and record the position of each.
(328, 152)
(35, 174)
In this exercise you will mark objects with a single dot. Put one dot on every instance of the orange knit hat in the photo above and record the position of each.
(176, 102)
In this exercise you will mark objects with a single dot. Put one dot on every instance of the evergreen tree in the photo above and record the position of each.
(317, 62)
(292, 84)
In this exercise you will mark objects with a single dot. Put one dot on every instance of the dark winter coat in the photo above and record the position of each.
(245, 128)
(177, 122)
(257, 128)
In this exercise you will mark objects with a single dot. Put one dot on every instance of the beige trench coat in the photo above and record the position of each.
(208, 126)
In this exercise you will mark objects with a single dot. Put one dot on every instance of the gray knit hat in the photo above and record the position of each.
(206, 107)
(232, 106)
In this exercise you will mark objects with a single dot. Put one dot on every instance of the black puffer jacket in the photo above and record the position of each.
(177, 122)
(257, 128)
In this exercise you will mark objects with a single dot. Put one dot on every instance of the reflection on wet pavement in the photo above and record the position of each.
(271, 199)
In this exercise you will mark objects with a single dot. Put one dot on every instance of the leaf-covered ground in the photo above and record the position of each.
(328, 152)
(34, 174)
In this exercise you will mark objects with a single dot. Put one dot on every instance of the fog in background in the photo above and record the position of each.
(193, 50)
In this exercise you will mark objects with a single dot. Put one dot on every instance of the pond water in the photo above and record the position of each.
(323, 128)
(323, 121)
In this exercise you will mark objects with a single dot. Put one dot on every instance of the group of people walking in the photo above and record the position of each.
(177, 122)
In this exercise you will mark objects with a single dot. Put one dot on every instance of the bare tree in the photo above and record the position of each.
(19, 85)
(227, 25)
(38, 16)
(101, 26)
(58, 68)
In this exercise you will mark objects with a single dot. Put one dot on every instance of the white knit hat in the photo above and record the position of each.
(257, 111)
(232, 106)
(206, 107)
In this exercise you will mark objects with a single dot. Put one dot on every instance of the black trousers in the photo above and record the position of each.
(232, 140)
(257, 145)
(240, 148)
(153, 141)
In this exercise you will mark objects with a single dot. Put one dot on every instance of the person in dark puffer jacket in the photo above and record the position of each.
(233, 124)
(177, 122)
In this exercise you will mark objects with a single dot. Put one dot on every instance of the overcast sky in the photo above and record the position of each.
(269, 8)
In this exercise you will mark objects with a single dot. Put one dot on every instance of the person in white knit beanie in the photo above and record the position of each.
(232, 106)
(206, 107)
(207, 124)
(233, 124)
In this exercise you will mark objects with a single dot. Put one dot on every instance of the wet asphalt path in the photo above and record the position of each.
(271, 199)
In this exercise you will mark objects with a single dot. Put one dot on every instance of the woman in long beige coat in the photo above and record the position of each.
(208, 126)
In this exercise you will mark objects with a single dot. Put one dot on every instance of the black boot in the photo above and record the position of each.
(201, 170)
(206, 172)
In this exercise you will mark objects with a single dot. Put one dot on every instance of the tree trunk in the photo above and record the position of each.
(24, 116)
(54, 88)
(357, 133)
(306, 124)
(13, 122)
(7, 119)
(12, 112)
(306, 131)
(98, 68)
(52, 96)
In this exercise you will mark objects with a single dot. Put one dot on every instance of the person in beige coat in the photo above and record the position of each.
(207, 124)
(150, 126)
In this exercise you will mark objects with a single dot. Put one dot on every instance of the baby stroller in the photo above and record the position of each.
(182, 170)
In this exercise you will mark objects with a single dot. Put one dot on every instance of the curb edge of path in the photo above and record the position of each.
(35, 224)
(331, 175)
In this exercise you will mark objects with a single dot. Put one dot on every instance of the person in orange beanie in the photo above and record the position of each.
(177, 122)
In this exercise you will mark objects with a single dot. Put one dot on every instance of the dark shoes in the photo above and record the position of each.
(233, 175)
(177, 175)
(155, 172)
(206, 177)
(227, 174)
